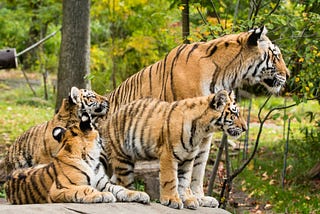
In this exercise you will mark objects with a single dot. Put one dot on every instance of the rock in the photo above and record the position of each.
(116, 208)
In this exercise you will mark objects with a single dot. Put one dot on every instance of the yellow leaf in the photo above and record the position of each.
(251, 165)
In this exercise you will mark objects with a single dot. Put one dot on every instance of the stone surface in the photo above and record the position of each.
(113, 208)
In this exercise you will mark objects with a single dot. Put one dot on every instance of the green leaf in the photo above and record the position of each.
(276, 116)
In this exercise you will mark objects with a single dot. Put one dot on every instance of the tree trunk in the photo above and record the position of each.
(75, 48)
(185, 21)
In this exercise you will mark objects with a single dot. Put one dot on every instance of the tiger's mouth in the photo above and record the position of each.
(234, 131)
(274, 83)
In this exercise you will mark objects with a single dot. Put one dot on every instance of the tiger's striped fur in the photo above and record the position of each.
(201, 68)
(75, 174)
(149, 129)
(37, 146)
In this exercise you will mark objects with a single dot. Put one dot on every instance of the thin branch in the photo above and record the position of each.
(274, 9)
(215, 12)
(204, 20)
(262, 121)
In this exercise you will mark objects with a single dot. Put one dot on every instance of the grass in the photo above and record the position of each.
(20, 110)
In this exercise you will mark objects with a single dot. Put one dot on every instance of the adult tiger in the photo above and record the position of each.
(74, 175)
(148, 129)
(37, 146)
(201, 68)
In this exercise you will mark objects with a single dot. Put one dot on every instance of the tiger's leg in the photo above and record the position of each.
(78, 194)
(198, 172)
(123, 172)
(121, 193)
(168, 181)
(185, 193)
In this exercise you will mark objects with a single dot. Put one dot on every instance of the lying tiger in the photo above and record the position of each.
(171, 132)
(75, 174)
(37, 146)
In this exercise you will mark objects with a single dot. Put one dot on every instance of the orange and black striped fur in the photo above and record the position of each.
(149, 129)
(201, 68)
(74, 175)
(37, 146)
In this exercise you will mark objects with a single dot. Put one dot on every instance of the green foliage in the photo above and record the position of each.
(127, 37)
(21, 21)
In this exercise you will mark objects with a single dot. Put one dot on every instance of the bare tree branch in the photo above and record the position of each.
(262, 121)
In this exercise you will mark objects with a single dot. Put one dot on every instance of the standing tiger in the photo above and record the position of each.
(201, 68)
(37, 146)
(75, 174)
(149, 129)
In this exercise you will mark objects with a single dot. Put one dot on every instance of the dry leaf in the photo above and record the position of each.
(307, 198)
(267, 206)
(265, 176)
(273, 182)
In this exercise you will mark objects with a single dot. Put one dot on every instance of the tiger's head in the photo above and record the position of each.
(230, 121)
(247, 58)
(270, 69)
(89, 101)
(78, 140)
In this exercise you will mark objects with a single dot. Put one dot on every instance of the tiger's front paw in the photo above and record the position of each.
(191, 203)
(140, 197)
(172, 202)
(101, 197)
(133, 196)
(207, 201)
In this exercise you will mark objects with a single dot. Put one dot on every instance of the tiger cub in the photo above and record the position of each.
(75, 174)
(171, 132)
(37, 146)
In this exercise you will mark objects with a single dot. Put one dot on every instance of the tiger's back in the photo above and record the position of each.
(201, 68)
(171, 132)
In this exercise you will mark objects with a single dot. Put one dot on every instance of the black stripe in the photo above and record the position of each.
(192, 131)
(150, 80)
(163, 94)
(181, 138)
(173, 63)
(33, 176)
(167, 183)
(265, 57)
(195, 46)
(74, 167)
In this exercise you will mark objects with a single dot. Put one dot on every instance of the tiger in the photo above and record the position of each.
(74, 175)
(149, 129)
(202, 68)
(37, 146)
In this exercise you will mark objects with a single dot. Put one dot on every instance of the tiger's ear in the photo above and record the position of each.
(232, 95)
(74, 94)
(57, 133)
(85, 123)
(219, 101)
(256, 35)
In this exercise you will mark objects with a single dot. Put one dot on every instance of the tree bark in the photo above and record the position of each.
(75, 48)
(185, 21)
